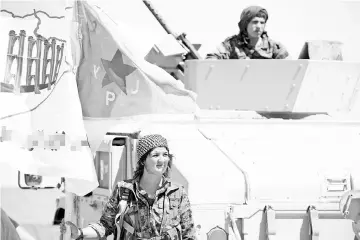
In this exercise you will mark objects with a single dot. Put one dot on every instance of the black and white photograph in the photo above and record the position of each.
(180, 120)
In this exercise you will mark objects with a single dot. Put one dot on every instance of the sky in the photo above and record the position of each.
(210, 22)
(290, 22)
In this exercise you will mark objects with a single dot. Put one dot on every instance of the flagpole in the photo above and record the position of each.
(0, 208)
(71, 213)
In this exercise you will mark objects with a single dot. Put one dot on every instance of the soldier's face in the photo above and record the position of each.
(256, 27)
(157, 161)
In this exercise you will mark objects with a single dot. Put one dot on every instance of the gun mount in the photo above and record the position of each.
(172, 52)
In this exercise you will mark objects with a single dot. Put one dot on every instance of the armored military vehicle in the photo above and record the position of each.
(272, 154)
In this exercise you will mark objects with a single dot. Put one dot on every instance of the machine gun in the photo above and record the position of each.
(193, 53)
(172, 64)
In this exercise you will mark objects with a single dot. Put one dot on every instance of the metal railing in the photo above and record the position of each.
(46, 69)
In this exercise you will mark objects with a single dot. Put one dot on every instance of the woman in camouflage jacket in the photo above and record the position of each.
(149, 206)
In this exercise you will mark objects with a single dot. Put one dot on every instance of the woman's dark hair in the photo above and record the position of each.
(139, 171)
(260, 14)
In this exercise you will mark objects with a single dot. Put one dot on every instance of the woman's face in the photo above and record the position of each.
(157, 161)
(256, 27)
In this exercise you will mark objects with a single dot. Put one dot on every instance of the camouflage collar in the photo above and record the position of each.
(161, 188)
(133, 185)
(243, 41)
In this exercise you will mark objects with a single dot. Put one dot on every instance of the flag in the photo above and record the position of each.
(113, 80)
(41, 125)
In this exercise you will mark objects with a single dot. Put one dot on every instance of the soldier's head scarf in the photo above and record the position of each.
(248, 14)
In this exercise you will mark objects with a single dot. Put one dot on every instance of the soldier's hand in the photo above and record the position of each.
(74, 230)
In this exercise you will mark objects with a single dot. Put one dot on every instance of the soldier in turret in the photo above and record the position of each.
(252, 42)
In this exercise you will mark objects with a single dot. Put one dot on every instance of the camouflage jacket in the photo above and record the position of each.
(235, 48)
(169, 214)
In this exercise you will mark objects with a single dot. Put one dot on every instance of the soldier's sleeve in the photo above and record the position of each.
(222, 51)
(106, 225)
(280, 51)
(186, 220)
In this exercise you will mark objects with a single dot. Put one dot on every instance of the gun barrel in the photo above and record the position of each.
(192, 51)
(158, 17)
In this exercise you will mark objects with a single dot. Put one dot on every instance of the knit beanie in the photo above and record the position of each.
(149, 142)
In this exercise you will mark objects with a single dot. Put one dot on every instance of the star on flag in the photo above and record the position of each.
(116, 71)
